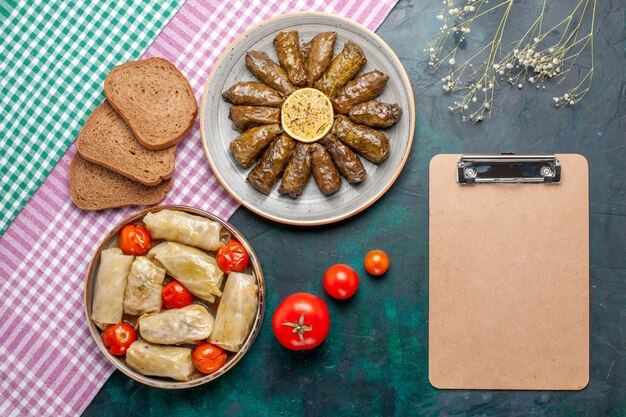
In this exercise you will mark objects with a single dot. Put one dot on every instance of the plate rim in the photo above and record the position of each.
(375, 197)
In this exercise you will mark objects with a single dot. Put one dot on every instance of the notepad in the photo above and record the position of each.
(509, 272)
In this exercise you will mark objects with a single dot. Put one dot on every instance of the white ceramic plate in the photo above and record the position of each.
(312, 207)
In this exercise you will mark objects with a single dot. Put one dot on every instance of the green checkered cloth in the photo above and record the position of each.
(54, 55)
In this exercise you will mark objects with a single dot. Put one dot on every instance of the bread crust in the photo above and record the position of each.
(94, 187)
(106, 140)
(146, 112)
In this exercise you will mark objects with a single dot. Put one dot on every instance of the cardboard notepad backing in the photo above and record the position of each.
(509, 281)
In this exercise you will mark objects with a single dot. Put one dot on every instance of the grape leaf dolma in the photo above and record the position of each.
(290, 58)
(348, 163)
(367, 142)
(269, 72)
(263, 176)
(324, 170)
(245, 117)
(297, 172)
(362, 88)
(251, 93)
(376, 114)
(247, 146)
(319, 51)
(341, 69)
(304, 50)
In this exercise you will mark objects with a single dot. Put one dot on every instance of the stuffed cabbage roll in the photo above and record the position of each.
(318, 52)
(108, 299)
(376, 114)
(180, 325)
(362, 88)
(269, 72)
(341, 69)
(236, 312)
(166, 361)
(143, 290)
(325, 172)
(297, 172)
(186, 228)
(287, 47)
(247, 146)
(367, 142)
(196, 270)
(251, 93)
(245, 117)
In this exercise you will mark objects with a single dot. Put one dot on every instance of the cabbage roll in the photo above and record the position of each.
(143, 291)
(196, 270)
(166, 361)
(180, 325)
(108, 299)
(236, 312)
(185, 228)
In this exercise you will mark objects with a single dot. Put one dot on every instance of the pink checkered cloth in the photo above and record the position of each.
(49, 365)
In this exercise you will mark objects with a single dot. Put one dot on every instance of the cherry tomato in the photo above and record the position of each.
(118, 338)
(376, 262)
(134, 239)
(233, 257)
(175, 295)
(301, 321)
(341, 281)
(208, 358)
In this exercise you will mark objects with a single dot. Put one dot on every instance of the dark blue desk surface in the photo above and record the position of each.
(375, 359)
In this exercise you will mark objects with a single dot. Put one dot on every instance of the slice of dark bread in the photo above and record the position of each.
(155, 100)
(94, 187)
(106, 140)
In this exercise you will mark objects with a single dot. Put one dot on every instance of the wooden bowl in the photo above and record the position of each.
(110, 240)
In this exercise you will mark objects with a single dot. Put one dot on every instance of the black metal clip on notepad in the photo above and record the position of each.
(508, 169)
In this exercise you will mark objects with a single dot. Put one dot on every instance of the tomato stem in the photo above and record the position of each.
(299, 327)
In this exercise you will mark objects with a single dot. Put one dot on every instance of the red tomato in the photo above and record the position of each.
(118, 338)
(233, 257)
(301, 321)
(175, 295)
(341, 281)
(208, 358)
(376, 262)
(134, 239)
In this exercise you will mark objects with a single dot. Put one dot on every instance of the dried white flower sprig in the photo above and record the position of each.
(540, 54)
